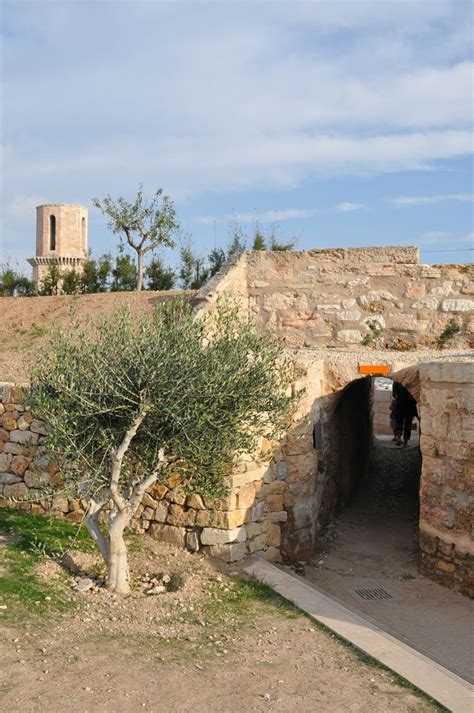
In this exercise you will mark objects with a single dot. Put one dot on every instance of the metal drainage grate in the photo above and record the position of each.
(372, 594)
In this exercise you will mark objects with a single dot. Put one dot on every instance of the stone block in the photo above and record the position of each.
(215, 536)
(281, 516)
(228, 553)
(258, 512)
(9, 479)
(192, 541)
(148, 513)
(138, 512)
(272, 554)
(180, 517)
(445, 566)
(274, 503)
(176, 497)
(281, 470)
(174, 479)
(457, 305)
(18, 491)
(414, 290)
(429, 303)
(349, 315)
(203, 518)
(232, 519)
(158, 491)
(273, 535)
(257, 543)
(148, 501)
(167, 533)
(8, 421)
(245, 497)
(161, 511)
(277, 487)
(38, 427)
(195, 501)
(26, 438)
(5, 460)
(19, 464)
(256, 528)
(23, 422)
(60, 503)
(349, 336)
(17, 394)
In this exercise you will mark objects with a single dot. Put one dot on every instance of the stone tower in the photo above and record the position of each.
(61, 238)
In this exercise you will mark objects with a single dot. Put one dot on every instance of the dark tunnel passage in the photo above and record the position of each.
(351, 439)
(375, 478)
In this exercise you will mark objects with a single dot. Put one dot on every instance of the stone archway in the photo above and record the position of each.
(445, 400)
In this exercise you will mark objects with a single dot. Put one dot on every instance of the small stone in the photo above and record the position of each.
(8, 421)
(195, 501)
(84, 584)
(38, 427)
(158, 589)
(192, 541)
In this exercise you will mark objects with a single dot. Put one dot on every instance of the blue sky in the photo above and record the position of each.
(347, 123)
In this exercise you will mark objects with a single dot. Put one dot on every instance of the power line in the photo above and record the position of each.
(448, 250)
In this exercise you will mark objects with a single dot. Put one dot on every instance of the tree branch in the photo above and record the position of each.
(140, 488)
(90, 520)
(117, 456)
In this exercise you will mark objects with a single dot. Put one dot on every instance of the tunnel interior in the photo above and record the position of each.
(376, 478)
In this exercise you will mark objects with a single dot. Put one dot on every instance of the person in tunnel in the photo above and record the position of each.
(403, 410)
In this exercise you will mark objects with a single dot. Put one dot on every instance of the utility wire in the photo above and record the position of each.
(448, 250)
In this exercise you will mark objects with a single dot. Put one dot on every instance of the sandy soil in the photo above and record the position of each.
(196, 649)
(25, 321)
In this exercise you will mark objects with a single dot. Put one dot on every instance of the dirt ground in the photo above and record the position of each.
(216, 644)
(25, 321)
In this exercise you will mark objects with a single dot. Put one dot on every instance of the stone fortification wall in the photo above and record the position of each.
(247, 521)
(327, 297)
(278, 504)
(447, 494)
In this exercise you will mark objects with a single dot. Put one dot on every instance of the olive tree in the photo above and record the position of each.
(133, 397)
(145, 225)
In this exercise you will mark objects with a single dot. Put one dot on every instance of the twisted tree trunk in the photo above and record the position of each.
(118, 576)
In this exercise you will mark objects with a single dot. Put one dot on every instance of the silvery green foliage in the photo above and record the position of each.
(210, 386)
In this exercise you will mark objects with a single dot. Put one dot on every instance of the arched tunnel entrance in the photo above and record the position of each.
(374, 465)
(376, 519)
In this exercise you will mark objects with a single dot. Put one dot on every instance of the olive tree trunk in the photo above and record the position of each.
(112, 545)
(140, 270)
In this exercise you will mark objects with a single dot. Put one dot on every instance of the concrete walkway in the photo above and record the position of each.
(447, 688)
(374, 544)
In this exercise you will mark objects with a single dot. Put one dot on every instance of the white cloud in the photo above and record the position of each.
(23, 206)
(349, 207)
(267, 216)
(432, 200)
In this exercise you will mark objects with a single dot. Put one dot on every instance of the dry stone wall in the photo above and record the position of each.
(447, 493)
(247, 521)
(328, 297)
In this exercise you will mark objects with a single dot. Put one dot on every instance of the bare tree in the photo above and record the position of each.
(133, 396)
(145, 225)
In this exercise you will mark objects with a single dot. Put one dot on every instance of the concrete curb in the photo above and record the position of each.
(439, 683)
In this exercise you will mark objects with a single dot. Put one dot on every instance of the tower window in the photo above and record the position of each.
(52, 232)
(83, 232)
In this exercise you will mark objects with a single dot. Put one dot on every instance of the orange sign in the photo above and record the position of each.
(377, 369)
